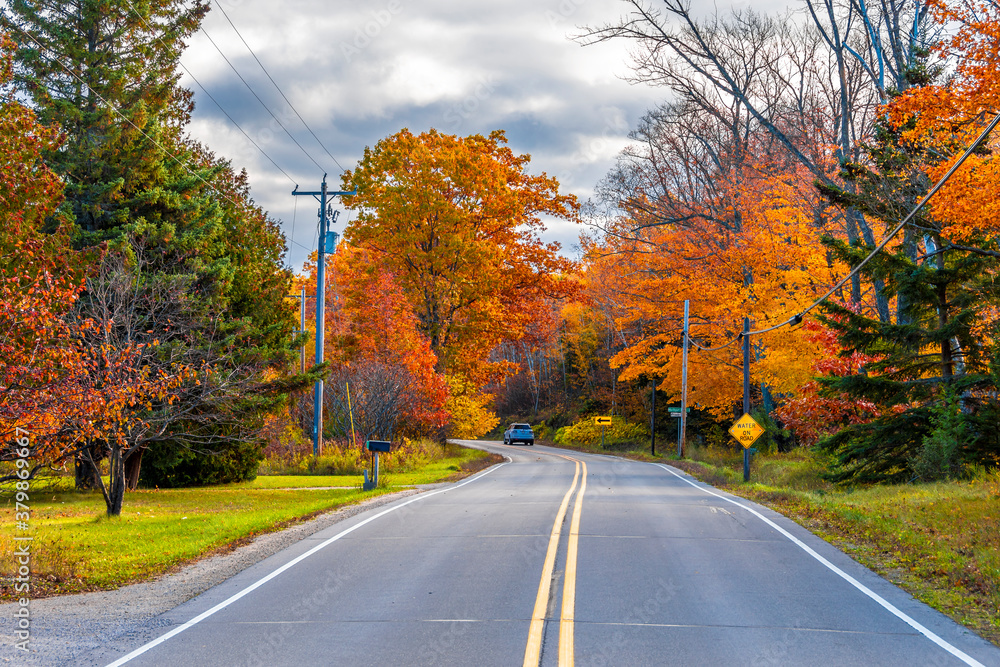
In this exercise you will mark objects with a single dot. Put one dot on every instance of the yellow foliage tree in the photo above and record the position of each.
(471, 410)
(767, 262)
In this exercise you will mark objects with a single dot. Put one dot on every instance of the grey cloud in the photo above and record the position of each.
(462, 68)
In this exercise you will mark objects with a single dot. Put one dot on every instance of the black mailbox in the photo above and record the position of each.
(378, 445)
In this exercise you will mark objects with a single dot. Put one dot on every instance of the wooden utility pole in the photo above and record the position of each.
(746, 391)
(682, 441)
(327, 243)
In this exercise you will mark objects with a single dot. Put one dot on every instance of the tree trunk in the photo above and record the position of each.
(85, 473)
(132, 463)
(116, 485)
(767, 399)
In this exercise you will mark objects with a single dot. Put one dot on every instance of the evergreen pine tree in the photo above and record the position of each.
(935, 345)
(105, 71)
(938, 455)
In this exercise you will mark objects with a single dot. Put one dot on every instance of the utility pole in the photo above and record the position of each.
(652, 423)
(682, 441)
(326, 238)
(746, 391)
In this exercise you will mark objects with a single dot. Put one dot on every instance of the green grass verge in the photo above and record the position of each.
(297, 482)
(460, 461)
(77, 548)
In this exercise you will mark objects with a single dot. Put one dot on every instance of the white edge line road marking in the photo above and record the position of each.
(260, 582)
(888, 606)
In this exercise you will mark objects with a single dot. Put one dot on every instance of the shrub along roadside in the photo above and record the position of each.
(620, 435)
(77, 548)
(344, 458)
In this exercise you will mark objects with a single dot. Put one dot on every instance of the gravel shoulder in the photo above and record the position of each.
(66, 626)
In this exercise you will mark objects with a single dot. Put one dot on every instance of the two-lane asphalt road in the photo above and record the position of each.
(557, 558)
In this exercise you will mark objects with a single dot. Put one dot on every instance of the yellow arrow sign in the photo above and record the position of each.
(746, 430)
(602, 421)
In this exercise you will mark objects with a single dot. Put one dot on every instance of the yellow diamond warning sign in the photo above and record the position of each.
(746, 430)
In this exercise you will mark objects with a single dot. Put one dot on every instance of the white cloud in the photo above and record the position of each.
(358, 71)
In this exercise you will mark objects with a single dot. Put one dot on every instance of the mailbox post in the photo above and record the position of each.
(375, 447)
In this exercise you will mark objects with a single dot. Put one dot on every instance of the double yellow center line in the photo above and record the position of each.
(533, 649)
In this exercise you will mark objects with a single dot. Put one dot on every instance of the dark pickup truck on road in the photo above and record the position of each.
(519, 433)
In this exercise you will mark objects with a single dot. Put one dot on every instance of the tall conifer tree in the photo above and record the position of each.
(106, 72)
(941, 344)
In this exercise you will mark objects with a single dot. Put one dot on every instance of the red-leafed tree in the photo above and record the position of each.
(376, 326)
(40, 278)
(813, 413)
(64, 382)
(376, 353)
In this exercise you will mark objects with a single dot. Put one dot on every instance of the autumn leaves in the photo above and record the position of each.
(442, 264)
(750, 249)
(791, 148)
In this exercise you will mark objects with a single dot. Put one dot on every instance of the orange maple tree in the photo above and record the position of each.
(371, 334)
(945, 117)
(764, 259)
(374, 323)
(456, 221)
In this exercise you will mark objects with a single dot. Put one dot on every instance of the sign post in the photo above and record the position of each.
(680, 414)
(682, 424)
(746, 430)
(746, 397)
(602, 422)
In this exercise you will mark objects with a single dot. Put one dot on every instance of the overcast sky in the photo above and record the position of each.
(358, 71)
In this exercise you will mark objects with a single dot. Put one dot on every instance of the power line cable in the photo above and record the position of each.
(266, 108)
(278, 88)
(114, 110)
(797, 319)
(211, 97)
(912, 214)
(304, 247)
(138, 129)
(291, 239)
(711, 349)
(295, 210)
(316, 235)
